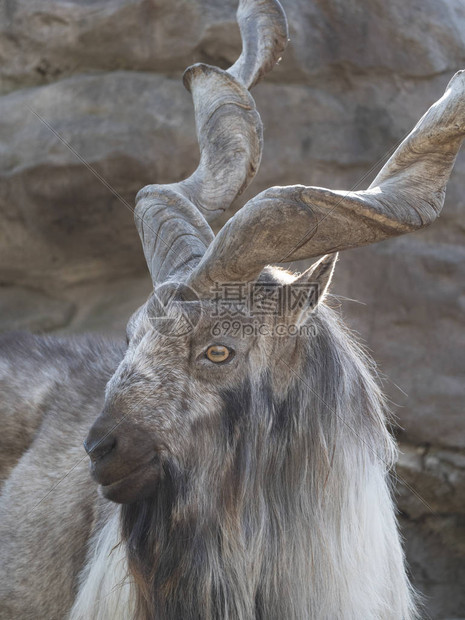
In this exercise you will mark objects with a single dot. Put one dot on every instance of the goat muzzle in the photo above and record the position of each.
(123, 462)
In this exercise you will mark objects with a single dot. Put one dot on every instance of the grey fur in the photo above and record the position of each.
(271, 465)
(51, 389)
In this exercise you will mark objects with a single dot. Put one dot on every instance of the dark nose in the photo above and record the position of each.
(98, 443)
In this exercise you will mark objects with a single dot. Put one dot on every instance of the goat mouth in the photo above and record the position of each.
(139, 482)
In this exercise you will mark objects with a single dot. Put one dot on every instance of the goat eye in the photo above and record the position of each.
(218, 353)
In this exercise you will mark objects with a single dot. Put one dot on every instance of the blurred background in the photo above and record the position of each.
(104, 76)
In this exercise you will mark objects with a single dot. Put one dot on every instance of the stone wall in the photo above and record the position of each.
(92, 108)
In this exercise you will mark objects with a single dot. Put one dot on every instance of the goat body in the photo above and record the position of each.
(296, 522)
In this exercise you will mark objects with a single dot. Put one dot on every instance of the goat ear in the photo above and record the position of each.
(322, 273)
(311, 287)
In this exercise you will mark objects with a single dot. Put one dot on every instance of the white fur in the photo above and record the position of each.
(105, 589)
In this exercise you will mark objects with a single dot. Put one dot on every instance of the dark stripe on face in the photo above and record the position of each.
(246, 404)
(237, 404)
(285, 410)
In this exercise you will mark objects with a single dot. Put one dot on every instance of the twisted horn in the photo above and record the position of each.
(264, 35)
(172, 219)
(284, 224)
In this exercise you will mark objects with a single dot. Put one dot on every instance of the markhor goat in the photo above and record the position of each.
(242, 463)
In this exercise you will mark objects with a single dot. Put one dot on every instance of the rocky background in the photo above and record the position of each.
(92, 108)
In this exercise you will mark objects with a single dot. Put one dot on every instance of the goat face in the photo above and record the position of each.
(164, 407)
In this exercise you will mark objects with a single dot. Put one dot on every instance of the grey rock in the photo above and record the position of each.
(414, 38)
(67, 211)
(435, 556)
(41, 42)
(22, 308)
(414, 292)
(430, 481)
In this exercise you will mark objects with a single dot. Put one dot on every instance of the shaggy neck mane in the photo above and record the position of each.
(275, 531)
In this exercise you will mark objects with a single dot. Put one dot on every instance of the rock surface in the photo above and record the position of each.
(92, 108)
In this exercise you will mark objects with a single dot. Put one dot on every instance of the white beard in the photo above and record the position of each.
(105, 591)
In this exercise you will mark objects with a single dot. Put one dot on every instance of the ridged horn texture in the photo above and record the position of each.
(264, 34)
(284, 224)
(172, 220)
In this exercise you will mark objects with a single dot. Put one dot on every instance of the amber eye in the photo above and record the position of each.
(218, 353)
